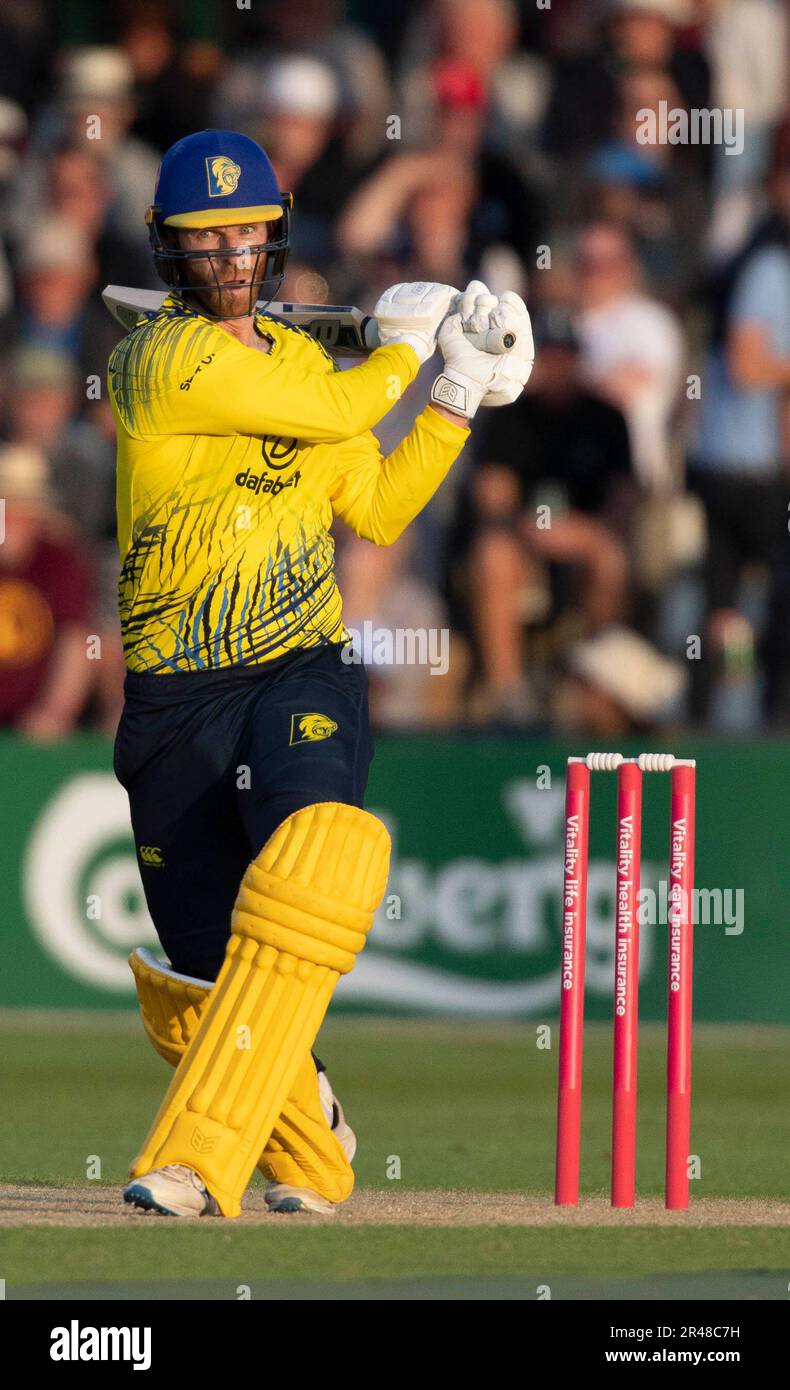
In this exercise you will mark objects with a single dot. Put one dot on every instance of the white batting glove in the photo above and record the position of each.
(412, 313)
(472, 376)
(512, 316)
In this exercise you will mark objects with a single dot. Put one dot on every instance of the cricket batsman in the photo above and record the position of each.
(244, 743)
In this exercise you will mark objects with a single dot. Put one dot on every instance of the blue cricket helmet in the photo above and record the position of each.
(218, 178)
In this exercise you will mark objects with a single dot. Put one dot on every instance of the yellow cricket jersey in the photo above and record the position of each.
(231, 465)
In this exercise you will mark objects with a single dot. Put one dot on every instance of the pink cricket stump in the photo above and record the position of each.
(680, 970)
(574, 913)
(626, 983)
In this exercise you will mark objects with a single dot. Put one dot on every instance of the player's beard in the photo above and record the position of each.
(224, 301)
(223, 290)
(225, 297)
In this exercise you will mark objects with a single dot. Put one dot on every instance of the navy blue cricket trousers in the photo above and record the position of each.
(213, 761)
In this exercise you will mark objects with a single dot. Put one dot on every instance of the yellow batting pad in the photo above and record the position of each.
(170, 1004)
(302, 1150)
(303, 911)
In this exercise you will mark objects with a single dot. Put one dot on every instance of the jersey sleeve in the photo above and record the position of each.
(196, 385)
(377, 496)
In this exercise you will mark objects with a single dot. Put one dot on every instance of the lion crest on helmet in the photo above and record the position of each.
(223, 175)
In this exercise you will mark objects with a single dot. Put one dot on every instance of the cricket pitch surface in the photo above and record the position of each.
(103, 1206)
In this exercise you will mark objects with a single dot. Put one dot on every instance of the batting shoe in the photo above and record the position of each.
(175, 1190)
(282, 1197)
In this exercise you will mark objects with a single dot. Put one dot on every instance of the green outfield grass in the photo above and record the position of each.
(462, 1106)
(214, 1262)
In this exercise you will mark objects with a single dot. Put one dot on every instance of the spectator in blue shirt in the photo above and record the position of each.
(739, 456)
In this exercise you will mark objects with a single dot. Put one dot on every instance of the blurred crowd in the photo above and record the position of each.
(612, 553)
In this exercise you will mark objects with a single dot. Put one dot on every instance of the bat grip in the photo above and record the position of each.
(494, 340)
(370, 332)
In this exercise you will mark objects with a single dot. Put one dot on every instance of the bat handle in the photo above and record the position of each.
(370, 332)
(494, 340)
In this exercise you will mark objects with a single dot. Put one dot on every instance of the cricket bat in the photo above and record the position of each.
(340, 328)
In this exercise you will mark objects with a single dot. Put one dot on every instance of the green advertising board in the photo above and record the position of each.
(471, 921)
